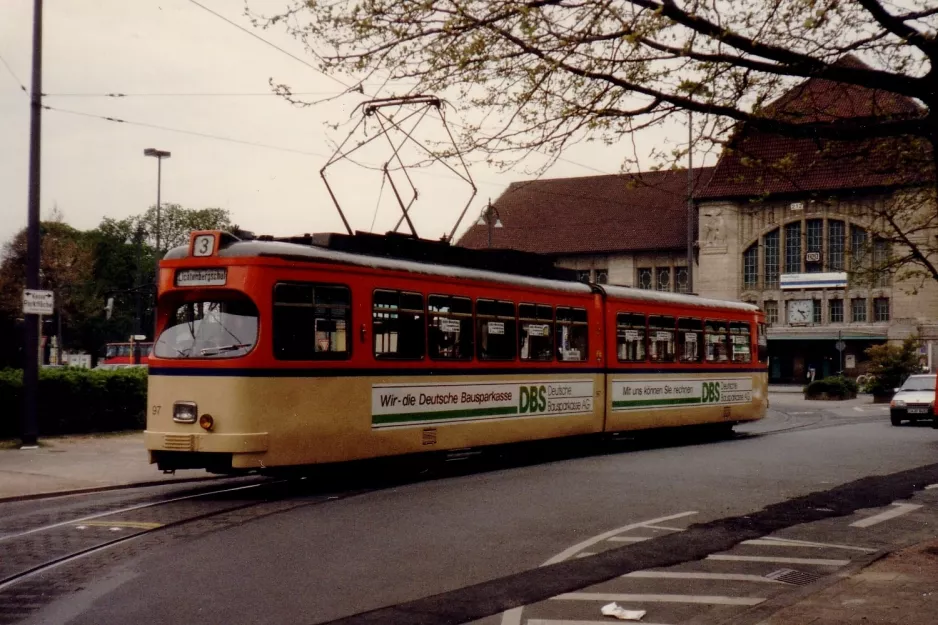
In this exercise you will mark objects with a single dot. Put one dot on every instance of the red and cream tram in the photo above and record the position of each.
(279, 353)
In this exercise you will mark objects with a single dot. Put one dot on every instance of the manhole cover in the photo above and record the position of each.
(791, 576)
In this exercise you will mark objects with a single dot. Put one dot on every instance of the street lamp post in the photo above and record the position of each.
(491, 218)
(159, 155)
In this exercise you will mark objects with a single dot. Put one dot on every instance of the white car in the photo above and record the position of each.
(914, 400)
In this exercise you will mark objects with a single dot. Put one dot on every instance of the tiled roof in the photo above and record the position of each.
(757, 163)
(592, 214)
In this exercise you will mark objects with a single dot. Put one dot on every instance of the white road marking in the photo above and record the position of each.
(550, 621)
(814, 561)
(703, 599)
(129, 509)
(898, 510)
(858, 409)
(664, 528)
(629, 539)
(730, 577)
(931, 487)
(513, 616)
(787, 542)
(566, 553)
(585, 554)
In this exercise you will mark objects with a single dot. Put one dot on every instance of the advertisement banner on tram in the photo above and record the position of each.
(421, 404)
(632, 394)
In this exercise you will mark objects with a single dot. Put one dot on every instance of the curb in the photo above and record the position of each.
(100, 489)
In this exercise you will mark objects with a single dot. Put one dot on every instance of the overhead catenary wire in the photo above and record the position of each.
(272, 45)
(195, 133)
(14, 76)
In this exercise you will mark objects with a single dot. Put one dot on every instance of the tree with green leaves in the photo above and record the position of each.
(891, 364)
(540, 75)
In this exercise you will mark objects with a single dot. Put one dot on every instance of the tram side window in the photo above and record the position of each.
(630, 337)
(689, 339)
(497, 329)
(397, 323)
(661, 338)
(717, 340)
(311, 321)
(537, 331)
(450, 327)
(741, 342)
(572, 334)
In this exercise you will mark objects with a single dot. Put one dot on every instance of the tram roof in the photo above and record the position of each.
(314, 253)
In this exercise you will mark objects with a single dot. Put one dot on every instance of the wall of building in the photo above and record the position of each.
(728, 230)
(623, 269)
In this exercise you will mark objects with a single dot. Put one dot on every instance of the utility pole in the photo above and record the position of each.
(690, 202)
(30, 432)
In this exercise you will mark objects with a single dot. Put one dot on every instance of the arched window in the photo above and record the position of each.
(771, 262)
(751, 267)
(835, 245)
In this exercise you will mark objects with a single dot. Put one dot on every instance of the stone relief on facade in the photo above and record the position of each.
(713, 233)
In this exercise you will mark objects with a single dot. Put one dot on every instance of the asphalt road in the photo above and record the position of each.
(383, 546)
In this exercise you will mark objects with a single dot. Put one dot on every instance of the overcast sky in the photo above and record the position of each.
(93, 168)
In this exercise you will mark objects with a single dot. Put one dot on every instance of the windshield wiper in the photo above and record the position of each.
(212, 351)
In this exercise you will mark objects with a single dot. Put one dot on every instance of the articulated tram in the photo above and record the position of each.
(277, 353)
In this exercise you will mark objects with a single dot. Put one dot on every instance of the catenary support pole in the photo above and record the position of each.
(30, 427)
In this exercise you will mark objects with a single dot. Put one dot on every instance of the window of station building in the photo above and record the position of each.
(630, 337)
(601, 276)
(751, 267)
(793, 247)
(771, 261)
(881, 252)
(681, 280)
(537, 331)
(741, 341)
(835, 311)
(858, 248)
(771, 311)
(583, 275)
(496, 328)
(572, 335)
(835, 245)
(310, 321)
(661, 342)
(644, 278)
(881, 309)
(814, 242)
(397, 323)
(717, 335)
(858, 309)
(689, 339)
(816, 314)
(663, 280)
(449, 331)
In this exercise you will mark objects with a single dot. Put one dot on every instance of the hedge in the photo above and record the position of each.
(835, 386)
(77, 401)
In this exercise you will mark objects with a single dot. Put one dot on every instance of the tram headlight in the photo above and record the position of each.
(185, 412)
(207, 422)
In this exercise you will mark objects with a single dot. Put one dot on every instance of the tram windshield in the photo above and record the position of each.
(209, 329)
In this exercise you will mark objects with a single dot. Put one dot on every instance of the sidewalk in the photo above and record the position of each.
(900, 589)
(66, 463)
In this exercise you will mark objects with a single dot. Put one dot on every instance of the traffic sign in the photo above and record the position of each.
(38, 302)
(840, 346)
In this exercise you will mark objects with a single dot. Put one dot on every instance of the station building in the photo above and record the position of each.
(793, 239)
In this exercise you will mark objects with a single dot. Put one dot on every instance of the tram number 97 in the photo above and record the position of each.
(711, 392)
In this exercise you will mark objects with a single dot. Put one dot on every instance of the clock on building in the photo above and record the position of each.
(800, 311)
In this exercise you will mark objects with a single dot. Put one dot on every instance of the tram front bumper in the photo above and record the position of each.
(206, 442)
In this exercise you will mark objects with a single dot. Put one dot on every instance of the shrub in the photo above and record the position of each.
(835, 386)
(77, 401)
(890, 365)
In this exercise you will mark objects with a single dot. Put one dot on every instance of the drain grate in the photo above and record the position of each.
(791, 576)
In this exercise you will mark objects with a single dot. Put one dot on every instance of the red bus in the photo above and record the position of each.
(279, 353)
(126, 353)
